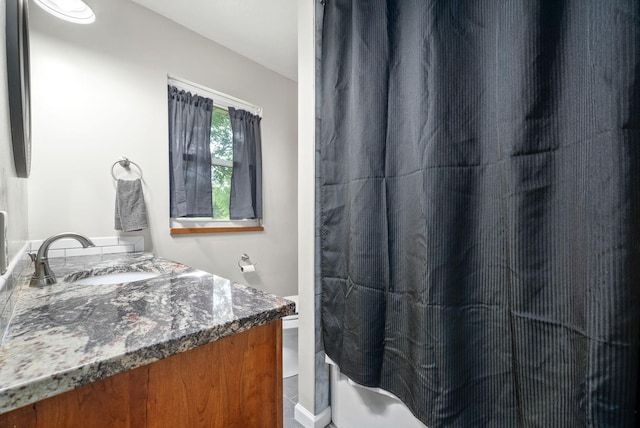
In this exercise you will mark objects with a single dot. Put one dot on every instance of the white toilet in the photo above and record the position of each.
(290, 342)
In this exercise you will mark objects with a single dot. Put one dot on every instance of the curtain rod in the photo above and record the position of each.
(228, 99)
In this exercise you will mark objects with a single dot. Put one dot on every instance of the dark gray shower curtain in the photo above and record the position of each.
(246, 176)
(479, 204)
(190, 191)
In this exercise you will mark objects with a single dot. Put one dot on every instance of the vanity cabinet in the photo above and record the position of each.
(232, 382)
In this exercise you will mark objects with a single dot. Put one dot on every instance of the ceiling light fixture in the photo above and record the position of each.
(69, 10)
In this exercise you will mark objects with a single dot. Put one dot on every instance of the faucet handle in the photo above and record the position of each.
(33, 257)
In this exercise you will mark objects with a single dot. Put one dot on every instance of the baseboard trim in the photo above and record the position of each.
(309, 420)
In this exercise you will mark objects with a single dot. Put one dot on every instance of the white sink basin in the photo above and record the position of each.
(116, 278)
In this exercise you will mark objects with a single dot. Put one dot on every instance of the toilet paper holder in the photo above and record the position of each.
(245, 264)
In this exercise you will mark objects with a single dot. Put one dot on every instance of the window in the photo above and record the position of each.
(221, 150)
(221, 162)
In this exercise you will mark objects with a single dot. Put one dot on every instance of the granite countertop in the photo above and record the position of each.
(68, 335)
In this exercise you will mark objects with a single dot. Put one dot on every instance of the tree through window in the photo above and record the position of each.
(221, 162)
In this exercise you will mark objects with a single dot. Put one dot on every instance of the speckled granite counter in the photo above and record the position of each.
(68, 335)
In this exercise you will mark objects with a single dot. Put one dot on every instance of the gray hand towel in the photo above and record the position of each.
(131, 212)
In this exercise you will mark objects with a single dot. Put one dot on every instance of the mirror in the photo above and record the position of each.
(17, 41)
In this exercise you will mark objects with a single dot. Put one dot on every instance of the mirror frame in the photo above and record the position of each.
(18, 82)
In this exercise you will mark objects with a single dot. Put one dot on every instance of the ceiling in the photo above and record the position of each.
(264, 31)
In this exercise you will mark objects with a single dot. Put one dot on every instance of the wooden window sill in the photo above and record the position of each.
(195, 230)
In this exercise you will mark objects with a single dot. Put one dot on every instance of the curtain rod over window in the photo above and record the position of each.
(218, 98)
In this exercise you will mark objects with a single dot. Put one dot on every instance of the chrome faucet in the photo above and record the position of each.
(43, 274)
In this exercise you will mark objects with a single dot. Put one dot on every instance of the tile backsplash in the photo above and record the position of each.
(61, 248)
(105, 245)
(8, 284)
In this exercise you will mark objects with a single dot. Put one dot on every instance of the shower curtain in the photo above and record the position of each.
(479, 207)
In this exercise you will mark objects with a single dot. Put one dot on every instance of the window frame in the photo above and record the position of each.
(191, 225)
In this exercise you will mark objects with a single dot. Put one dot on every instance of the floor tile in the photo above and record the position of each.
(288, 415)
(290, 388)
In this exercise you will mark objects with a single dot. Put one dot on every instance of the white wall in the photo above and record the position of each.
(306, 210)
(99, 93)
(13, 190)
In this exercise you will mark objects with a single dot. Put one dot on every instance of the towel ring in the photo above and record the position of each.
(126, 164)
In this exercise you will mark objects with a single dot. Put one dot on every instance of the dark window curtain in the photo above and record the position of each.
(189, 154)
(246, 176)
(480, 176)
